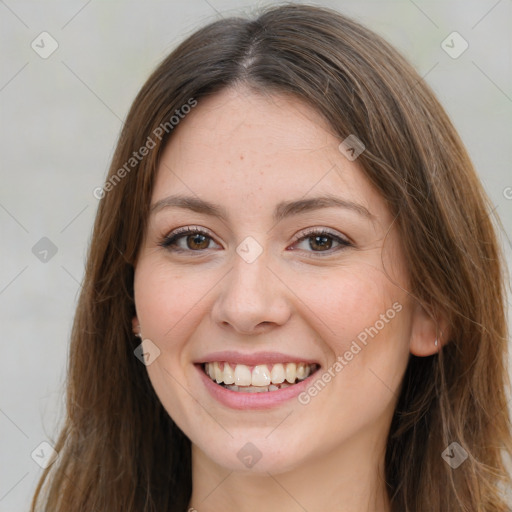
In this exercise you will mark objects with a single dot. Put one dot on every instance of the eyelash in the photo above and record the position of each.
(173, 237)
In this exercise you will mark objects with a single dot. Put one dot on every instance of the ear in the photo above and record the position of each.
(135, 325)
(426, 327)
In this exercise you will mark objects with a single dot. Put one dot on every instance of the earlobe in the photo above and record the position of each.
(135, 325)
(429, 332)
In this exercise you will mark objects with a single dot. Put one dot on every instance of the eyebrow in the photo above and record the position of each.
(283, 209)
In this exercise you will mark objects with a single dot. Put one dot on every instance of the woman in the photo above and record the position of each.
(294, 294)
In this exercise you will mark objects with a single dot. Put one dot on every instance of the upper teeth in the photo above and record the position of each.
(261, 375)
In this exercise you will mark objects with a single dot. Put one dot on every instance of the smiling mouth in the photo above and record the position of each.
(260, 378)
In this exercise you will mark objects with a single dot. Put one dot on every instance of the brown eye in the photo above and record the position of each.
(187, 240)
(321, 241)
(197, 241)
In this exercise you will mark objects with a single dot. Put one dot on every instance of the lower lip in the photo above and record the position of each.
(263, 400)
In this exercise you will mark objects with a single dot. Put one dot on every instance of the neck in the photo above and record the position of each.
(347, 479)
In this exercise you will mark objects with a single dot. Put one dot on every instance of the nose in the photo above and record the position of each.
(251, 299)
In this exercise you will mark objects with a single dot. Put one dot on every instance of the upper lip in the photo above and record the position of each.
(255, 358)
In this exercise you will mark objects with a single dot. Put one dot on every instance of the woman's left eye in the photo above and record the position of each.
(322, 241)
(197, 240)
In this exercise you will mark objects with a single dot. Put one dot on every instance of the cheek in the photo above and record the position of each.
(364, 319)
(168, 299)
(350, 301)
(168, 302)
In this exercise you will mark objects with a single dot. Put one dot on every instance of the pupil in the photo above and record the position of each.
(196, 240)
(323, 242)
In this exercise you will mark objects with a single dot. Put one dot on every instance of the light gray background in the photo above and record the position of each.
(60, 120)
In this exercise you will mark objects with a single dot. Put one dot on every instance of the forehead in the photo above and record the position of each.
(251, 151)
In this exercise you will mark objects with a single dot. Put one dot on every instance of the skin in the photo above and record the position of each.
(247, 152)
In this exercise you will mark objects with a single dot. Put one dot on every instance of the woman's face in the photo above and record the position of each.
(288, 266)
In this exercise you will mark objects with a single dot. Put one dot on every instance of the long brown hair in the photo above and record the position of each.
(120, 450)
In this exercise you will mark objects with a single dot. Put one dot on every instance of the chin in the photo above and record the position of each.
(256, 456)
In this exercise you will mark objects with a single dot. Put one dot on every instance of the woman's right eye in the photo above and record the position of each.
(187, 240)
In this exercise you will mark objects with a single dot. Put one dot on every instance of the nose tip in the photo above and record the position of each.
(247, 327)
(251, 299)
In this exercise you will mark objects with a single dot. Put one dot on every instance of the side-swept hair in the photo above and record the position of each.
(120, 450)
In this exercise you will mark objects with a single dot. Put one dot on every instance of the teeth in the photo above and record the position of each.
(291, 372)
(277, 374)
(260, 375)
(260, 378)
(217, 372)
(258, 389)
(242, 375)
(229, 374)
(302, 371)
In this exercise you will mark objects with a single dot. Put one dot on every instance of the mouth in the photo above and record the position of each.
(260, 378)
